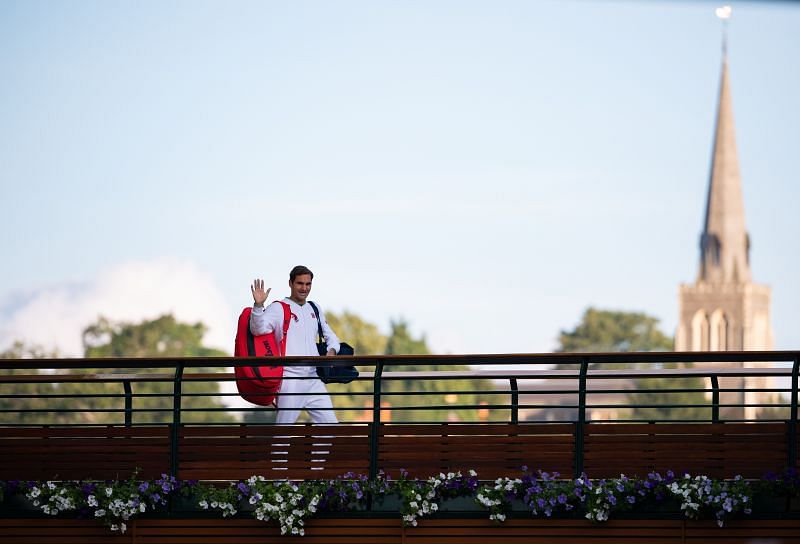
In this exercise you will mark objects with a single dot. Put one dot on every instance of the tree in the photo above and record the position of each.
(399, 394)
(605, 330)
(365, 337)
(160, 337)
(21, 398)
(614, 331)
(400, 341)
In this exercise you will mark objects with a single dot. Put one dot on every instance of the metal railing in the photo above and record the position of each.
(583, 389)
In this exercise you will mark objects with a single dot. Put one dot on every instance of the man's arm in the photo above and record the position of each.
(262, 320)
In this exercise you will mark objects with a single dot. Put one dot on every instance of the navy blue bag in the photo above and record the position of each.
(333, 371)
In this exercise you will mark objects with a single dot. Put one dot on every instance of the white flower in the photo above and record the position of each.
(109, 491)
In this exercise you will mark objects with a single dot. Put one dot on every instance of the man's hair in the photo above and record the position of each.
(300, 270)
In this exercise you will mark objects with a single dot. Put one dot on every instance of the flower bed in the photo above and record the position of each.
(290, 504)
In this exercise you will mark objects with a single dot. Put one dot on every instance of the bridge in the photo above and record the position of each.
(571, 416)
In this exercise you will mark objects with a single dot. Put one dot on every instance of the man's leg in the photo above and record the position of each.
(289, 404)
(288, 411)
(319, 404)
(320, 408)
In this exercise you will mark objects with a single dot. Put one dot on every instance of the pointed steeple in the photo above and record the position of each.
(724, 244)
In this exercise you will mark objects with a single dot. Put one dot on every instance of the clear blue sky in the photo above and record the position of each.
(486, 170)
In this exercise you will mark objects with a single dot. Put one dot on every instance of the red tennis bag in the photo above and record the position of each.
(259, 384)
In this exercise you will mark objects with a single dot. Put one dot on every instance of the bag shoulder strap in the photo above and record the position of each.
(319, 322)
(287, 317)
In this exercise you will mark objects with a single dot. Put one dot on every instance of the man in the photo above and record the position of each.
(301, 389)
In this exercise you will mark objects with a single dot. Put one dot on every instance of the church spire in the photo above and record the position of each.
(724, 244)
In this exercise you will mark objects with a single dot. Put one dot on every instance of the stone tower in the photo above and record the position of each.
(723, 309)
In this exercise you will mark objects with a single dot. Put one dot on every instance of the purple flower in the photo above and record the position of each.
(612, 499)
(88, 488)
(243, 487)
(631, 499)
(143, 487)
(562, 498)
(540, 502)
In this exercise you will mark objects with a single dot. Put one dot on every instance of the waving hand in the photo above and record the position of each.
(259, 294)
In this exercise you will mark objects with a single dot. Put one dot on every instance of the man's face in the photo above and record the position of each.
(301, 287)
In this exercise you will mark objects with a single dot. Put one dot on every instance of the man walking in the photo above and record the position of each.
(301, 389)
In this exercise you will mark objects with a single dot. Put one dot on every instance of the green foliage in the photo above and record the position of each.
(400, 341)
(610, 331)
(354, 400)
(161, 337)
(613, 331)
(365, 337)
(30, 396)
(655, 392)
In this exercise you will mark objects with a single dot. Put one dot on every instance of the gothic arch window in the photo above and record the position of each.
(718, 331)
(700, 331)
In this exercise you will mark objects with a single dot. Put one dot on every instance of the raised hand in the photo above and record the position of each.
(259, 294)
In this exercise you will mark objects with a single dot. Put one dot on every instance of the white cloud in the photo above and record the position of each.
(132, 291)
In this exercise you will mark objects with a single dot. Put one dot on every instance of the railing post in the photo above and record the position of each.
(514, 401)
(714, 398)
(376, 420)
(579, 427)
(176, 419)
(128, 403)
(792, 434)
